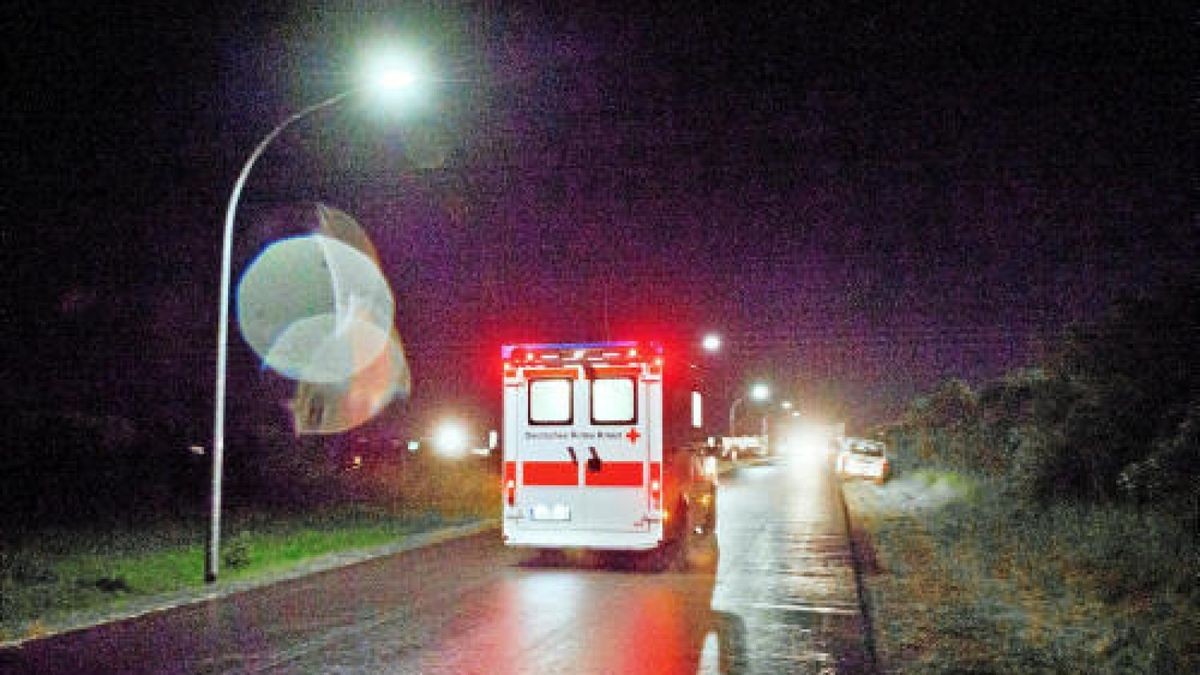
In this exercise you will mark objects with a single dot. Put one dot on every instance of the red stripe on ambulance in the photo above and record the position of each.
(550, 473)
(617, 474)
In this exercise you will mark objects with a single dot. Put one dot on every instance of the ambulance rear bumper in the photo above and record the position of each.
(609, 540)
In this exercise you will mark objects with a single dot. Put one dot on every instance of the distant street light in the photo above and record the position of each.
(711, 342)
(450, 439)
(758, 392)
(389, 77)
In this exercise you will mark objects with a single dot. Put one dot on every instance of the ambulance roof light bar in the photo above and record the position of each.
(590, 352)
(506, 350)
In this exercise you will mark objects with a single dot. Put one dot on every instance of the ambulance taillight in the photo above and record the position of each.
(510, 482)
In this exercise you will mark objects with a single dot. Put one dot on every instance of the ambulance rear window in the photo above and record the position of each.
(550, 401)
(614, 401)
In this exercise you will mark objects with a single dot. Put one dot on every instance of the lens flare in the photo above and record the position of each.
(333, 408)
(307, 299)
(317, 309)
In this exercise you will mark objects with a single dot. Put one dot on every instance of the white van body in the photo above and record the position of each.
(583, 446)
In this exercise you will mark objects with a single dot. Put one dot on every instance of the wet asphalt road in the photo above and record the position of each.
(782, 600)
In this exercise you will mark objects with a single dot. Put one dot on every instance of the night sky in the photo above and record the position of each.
(863, 198)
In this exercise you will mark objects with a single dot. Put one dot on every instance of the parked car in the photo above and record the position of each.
(862, 458)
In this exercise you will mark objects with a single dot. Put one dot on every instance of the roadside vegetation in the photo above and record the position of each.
(1048, 521)
(122, 555)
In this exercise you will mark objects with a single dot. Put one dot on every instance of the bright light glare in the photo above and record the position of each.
(760, 392)
(394, 74)
(813, 441)
(450, 439)
(394, 79)
(809, 443)
(711, 343)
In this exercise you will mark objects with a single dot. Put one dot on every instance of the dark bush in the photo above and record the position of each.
(67, 468)
(1113, 413)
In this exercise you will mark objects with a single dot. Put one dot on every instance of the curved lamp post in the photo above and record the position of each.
(758, 392)
(388, 76)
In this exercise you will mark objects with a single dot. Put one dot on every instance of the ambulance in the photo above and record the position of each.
(604, 448)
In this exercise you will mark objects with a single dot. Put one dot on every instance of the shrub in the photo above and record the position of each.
(1170, 471)
(236, 551)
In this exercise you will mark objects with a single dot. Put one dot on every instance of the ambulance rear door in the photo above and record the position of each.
(614, 436)
(548, 459)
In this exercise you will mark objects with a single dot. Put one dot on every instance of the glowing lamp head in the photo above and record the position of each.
(394, 79)
(760, 392)
(711, 343)
(394, 76)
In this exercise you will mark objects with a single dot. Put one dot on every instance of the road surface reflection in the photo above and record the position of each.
(782, 600)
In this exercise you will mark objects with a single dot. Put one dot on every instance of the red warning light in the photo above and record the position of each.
(510, 482)
(655, 486)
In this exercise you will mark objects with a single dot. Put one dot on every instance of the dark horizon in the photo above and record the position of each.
(864, 201)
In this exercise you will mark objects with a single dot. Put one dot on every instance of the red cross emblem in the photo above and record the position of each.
(633, 435)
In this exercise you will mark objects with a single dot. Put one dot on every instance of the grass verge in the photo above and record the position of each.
(54, 579)
(966, 578)
(62, 577)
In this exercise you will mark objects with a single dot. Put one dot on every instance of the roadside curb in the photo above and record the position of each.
(856, 561)
(83, 620)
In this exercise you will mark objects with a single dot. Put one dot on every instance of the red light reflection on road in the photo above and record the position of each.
(547, 620)
(656, 638)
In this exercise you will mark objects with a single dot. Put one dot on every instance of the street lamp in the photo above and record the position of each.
(711, 342)
(392, 72)
(388, 77)
(758, 392)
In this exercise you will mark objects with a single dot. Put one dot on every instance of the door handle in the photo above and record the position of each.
(594, 463)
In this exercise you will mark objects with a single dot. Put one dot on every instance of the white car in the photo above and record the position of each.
(863, 458)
